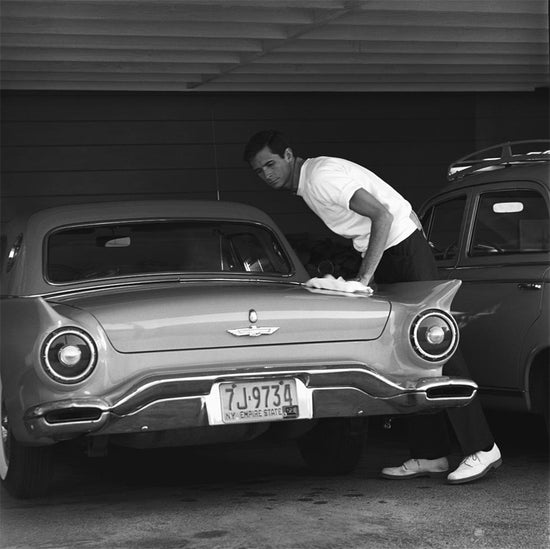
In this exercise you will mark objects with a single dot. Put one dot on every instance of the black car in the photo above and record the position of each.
(489, 226)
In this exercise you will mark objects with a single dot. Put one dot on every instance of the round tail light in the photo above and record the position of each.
(434, 335)
(69, 355)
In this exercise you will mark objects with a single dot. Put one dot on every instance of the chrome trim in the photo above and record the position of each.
(453, 328)
(50, 370)
(102, 288)
(254, 331)
(14, 252)
(255, 374)
(161, 410)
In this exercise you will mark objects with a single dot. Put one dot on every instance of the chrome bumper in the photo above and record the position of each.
(175, 402)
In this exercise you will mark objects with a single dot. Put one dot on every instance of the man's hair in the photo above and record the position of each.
(272, 139)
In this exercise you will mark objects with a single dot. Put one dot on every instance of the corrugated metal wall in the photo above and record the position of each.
(73, 147)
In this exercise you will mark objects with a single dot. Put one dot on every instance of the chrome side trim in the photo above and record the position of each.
(172, 280)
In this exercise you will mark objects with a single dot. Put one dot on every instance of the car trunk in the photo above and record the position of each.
(199, 315)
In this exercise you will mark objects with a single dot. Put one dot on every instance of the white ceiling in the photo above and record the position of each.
(275, 45)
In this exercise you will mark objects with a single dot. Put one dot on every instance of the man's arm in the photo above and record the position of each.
(364, 203)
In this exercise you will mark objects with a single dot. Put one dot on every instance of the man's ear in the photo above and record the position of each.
(288, 154)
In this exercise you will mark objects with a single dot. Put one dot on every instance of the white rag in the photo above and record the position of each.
(328, 282)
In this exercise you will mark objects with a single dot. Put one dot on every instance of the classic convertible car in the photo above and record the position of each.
(165, 324)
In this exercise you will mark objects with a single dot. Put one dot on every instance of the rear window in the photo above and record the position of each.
(144, 248)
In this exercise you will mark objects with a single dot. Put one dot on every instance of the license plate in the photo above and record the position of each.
(251, 401)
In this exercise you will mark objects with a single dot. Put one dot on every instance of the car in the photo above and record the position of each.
(160, 324)
(489, 227)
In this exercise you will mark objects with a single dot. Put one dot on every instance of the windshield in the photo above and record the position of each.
(153, 247)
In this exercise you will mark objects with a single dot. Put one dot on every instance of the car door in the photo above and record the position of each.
(502, 260)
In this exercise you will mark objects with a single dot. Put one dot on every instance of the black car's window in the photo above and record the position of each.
(442, 224)
(514, 221)
(134, 248)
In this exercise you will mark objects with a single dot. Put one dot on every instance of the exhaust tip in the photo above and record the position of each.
(73, 415)
(450, 391)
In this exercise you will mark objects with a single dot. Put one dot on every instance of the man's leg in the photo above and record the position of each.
(469, 423)
(427, 434)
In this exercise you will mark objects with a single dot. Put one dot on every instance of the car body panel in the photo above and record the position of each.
(489, 298)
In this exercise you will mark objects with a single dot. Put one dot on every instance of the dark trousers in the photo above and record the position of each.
(428, 434)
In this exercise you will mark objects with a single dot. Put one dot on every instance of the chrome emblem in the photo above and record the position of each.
(253, 330)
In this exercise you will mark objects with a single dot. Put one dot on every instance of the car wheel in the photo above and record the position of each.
(539, 384)
(26, 471)
(334, 446)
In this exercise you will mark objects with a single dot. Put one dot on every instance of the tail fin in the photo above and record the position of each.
(433, 293)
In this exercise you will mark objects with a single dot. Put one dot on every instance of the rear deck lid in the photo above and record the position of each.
(217, 314)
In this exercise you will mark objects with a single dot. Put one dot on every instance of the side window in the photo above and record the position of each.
(442, 224)
(514, 221)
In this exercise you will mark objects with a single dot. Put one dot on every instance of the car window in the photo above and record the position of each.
(135, 248)
(514, 221)
(442, 224)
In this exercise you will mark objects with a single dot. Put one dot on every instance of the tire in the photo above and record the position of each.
(334, 446)
(26, 471)
(539, 383)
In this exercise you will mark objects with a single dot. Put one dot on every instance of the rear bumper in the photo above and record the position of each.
(163, 403)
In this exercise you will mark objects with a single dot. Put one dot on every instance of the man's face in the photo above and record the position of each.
(274, 170)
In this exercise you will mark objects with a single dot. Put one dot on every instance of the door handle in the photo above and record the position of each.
(530, 286)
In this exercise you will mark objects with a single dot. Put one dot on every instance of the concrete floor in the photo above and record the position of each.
(261, 496)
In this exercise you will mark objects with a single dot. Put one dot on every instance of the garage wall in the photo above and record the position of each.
(71, 147)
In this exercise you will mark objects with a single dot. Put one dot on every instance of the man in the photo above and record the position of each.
(356, 204)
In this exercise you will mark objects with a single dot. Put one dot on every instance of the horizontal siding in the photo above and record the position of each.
(98, 106)
(189, 132)
(107, 182)
(60, 148)
(107, 157)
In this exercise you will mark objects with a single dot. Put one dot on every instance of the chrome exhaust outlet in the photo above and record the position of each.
(453, 391)
(71, 415)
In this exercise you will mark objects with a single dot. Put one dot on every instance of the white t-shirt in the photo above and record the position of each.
(327, 184)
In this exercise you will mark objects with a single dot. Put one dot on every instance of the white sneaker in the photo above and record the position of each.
(476, 466)
(417, 468)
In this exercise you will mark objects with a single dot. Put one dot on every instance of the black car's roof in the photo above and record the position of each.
(534, 171)
(509, 161)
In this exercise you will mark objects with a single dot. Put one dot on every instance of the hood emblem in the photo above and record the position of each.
(253, 330)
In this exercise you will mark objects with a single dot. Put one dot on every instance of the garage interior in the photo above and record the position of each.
(143, 99)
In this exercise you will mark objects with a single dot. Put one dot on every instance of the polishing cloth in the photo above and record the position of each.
(328, 282)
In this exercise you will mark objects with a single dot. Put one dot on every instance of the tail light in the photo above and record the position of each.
(69, 355)
(434, 335)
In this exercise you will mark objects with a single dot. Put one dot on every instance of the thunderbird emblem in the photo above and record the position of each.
(253, 330)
